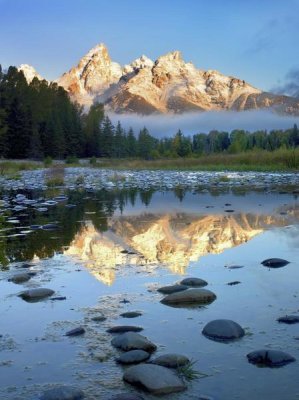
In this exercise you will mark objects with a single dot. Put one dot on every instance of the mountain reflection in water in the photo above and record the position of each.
(173, 240)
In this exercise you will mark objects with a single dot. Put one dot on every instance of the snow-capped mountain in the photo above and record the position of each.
(29, 72)
(167, 85)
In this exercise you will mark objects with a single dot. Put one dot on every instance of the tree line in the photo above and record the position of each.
(39, 120)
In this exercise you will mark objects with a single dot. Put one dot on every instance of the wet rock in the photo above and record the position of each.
(270, 358)
(76, 331)
(154, 378)
(20, 278)
(275, 262)
(229, 211)
(33, 295)
(190, 296)
(124, 328)
(25, 265)
(289, 319)
(223, 330)
(171, 360)
(233, 283)
(133, 341)
(63, 393)
(133, 356)
(131, 314)
(234, 266)
(99, 318)
(58, 298)
(127, 396)
(194, 282)
(172, 289)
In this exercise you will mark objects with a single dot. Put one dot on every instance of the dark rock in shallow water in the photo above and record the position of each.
(275, 262)
(172, 289)
(289, 319)
(133, 356)
(99, 318)
(33, 295)
(58, 298)
(76, 331)
(233, 283)
(62, 393)
(270, 358)
(234, 266)
(171, 360)
(20, 278)
(189, 297)
(194, 282)
(223, 330)
(131, 314)
(127, 396)
(124, 328)
(133, 341)
(154, 378)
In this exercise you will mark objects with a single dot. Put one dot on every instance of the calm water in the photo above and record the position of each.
(114, 246)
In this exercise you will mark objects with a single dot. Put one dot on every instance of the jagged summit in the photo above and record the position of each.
(167, 85)
(29, 72)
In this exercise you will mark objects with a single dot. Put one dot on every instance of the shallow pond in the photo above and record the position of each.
(108, 252)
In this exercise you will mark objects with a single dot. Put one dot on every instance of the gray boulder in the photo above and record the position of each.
(190, 296)
(275, 262)
(33, 295)
(172, 289)
(171, 360)
(124, 328)
(194, 282)
(131, 314)
(133, 356)
(20, 278)
(289, 319)
(62, 393)
(223, 330)
(154, 378)
(133, 341)
(270, 358)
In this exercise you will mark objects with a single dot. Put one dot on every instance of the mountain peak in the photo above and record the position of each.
(29, 72)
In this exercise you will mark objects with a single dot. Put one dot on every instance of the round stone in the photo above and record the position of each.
(133, 356)
(171, 360)
(189, 297)
(154, 378)
(194, 282)
(124, 328)
(33, 295)
(275, 262)
(133, 341)
(223, 330)
(270, 358)
(172, 289)
(62, 393)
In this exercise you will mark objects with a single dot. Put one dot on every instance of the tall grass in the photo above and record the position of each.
(279, 160)
(11, 168)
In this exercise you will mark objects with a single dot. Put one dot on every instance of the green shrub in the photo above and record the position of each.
(48, 161)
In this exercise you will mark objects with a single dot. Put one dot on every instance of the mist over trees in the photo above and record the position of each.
(39, 120)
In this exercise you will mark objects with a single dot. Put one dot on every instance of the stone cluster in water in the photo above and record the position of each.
(94, 179)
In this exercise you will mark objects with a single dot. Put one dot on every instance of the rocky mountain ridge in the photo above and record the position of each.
(167, 85)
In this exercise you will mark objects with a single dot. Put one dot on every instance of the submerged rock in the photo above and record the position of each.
(171, 360)
(131, 314)
(133, 356)
(76, 331)
(289, 319)
(233, 283)
(99, 318)
(154, 378)
(270, 358)
(124, 328)
(275, 262)
(20, 278)
(133, 341)
(190, 296)
(194, 282)
(223, 330)
(36, 294)
(172, 289)
(63, 393)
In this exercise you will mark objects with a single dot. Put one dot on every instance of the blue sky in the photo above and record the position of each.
(255, 40)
